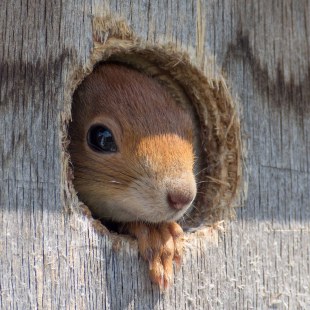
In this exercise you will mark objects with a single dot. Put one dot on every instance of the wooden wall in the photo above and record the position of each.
(53, 259)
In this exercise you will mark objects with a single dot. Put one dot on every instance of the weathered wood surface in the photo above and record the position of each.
(53, 260)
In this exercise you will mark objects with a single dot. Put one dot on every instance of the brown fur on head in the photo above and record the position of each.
(150, 176)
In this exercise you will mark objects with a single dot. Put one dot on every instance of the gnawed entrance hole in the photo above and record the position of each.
(216, 116)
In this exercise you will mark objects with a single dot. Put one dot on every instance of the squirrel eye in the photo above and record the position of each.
(100, 139)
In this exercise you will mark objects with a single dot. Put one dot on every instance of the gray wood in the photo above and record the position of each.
(51, 259)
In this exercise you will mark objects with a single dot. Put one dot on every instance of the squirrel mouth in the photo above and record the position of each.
(177, 215)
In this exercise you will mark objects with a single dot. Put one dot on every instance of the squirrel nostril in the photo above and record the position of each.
(179, 200)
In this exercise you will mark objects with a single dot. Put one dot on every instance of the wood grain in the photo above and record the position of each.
(51, 259)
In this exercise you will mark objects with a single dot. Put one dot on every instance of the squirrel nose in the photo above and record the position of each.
(179, 200)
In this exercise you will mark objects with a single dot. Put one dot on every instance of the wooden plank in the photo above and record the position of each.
(51, 259)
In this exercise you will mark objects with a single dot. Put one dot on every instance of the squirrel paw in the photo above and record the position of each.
(159, 245)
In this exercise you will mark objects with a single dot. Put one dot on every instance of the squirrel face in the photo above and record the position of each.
(131, 147)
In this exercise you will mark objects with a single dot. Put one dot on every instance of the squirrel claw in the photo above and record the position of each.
(160, 245)
(160, 281)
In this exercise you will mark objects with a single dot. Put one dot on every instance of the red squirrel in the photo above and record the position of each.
(132, 152)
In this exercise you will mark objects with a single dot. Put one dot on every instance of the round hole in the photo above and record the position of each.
(207, 101)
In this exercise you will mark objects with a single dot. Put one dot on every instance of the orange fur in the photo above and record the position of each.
(155, 157)
(155, 140)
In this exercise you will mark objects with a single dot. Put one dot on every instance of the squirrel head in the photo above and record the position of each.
(132, 147)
